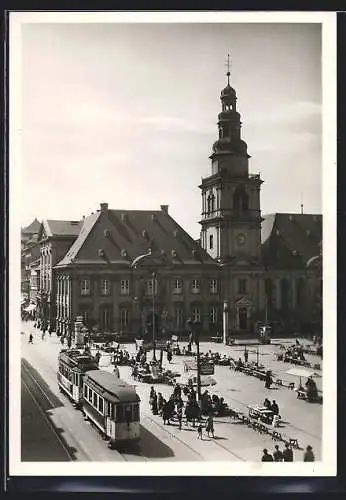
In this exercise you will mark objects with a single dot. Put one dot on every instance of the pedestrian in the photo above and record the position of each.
(199, 432)
(278, 456)
(309, 454)
(154, 408)
(180, 417)
(246, 355)
(31, 338)
(210, 426)
(287, 454)
(169, 356)
(268, 380)
(267, 457)
(116, 371)
(275, 422)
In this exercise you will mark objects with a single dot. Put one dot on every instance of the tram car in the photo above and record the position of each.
(112, 406)
(72, 366)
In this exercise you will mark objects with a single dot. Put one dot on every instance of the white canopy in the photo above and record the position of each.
(302, 372)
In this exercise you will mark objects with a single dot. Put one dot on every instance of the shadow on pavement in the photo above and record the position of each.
(49, 399)
(219, 438)
(152, 447)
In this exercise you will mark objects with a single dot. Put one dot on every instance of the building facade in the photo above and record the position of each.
(29, 253)
(264, 261)
(175, 279)
(55, 237)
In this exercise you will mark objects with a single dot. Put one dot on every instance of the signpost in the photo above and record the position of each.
(207, 368)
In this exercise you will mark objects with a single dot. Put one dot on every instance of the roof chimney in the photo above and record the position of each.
(164, 208)
(104, 207)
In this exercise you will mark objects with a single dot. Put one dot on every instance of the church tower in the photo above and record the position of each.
(231, 213)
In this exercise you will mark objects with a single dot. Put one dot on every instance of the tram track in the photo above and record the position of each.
(43, 413)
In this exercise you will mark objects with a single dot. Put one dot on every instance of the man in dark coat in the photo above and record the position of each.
(267, 457)
(287, 453)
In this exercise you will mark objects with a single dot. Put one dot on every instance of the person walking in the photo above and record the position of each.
(267, 457)
(210, 426)
(277, 455)
(287, 454)
(246, 355)
(199, 432)
(309, 454)
(31, 338)
(116, 371)
(169, 355)
(180, 417)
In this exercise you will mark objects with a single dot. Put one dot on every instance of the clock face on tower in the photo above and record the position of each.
(241, 237)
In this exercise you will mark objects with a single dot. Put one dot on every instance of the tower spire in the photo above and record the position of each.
(228, 65)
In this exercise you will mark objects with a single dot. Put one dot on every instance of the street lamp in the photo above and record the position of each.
(134, 266)
(153, 288)
(195, 336)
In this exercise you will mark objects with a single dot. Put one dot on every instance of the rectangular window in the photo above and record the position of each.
(213, 286)
(106, 317)
(213, 315)
(242, 285)
(124, 287)
(136, 412)
(178, 286)
(196, 315)
(124, 318)
(119, 413)
(211, 242)
(149, 287)
(179, 316)
(90, 395)
(85, 287)
(100, 408)
(95, 399)
(196, 286)
(85, 391)
(105, 287)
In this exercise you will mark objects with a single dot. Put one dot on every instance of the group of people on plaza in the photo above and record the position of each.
(286, 455)
(174, 407)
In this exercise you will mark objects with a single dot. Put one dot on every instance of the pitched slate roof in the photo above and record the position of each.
(290, 240)
(32, 228)
(60, 228)
(119, 236)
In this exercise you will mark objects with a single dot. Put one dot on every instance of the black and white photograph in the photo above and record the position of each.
(172, 180)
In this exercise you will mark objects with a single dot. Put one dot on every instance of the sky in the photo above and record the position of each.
(127, 114)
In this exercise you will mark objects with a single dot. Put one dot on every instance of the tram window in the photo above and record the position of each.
(90, 395)
(111, 410)
(101, 405)
(119, 413)
(136, 413)
(128, 413)
(95, 399)
(85, 391)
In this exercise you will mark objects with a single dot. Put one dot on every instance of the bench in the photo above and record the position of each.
(301, 395)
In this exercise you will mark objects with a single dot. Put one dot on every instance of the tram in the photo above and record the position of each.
(72, 365)
(112, 406)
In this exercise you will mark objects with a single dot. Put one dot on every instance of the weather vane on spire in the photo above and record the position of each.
(228, 65)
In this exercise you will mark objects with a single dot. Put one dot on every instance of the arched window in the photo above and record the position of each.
(269, 291)
(300, 292)
(240, 200)
(285, 293)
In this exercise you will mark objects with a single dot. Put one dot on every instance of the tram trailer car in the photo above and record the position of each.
(113, 407)
(72, 365)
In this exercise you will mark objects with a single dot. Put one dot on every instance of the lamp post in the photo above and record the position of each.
(154, 342)
(195, 335)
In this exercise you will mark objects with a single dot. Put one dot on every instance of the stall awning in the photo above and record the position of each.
(30, 308)
(301, 372)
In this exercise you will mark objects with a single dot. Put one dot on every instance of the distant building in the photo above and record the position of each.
(29, 253)
(95, 278)
(55, 237)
